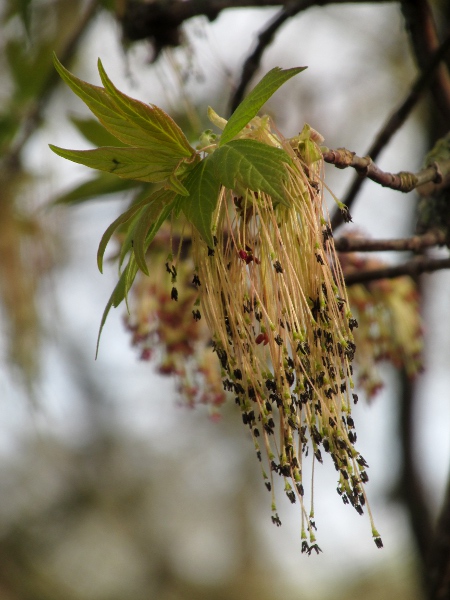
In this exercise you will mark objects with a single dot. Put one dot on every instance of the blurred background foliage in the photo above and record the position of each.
(109, 488)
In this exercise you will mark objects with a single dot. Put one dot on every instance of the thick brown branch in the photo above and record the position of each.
(413, 268)
(402, 182)
(394, 122)
(414, 243)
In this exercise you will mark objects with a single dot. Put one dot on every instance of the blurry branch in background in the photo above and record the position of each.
(414, 243)
(414, 267)
(394, 122)
(425, 42)
(32, 118)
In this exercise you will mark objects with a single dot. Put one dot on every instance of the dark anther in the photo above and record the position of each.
(361, 461)
(210, 251)
(276, 520)
(196, 314)
(279, 340)
(314, 547)
(268, 429)
(258, 454)
(174, 294)
(344, 473)
(290, 494)
(238, 388)
(343, 387)
(245, 418)
(256, 432)
(378, 542)
(237, 373)
(318, 455)
(332, 422)
(268, 485)
(215, 240)
(352, 437)
(364, 477)
(274, 466)
(300, 489)
(268, 406)
(196, 281)
(352, 323)
(339, 491)
(238, 402)
(355, 398)
(290, 362)
(362, 500)
(326, 445)
(359, 509)
(350, 422)
(271, 385)
(345, 499)
(292, 423)
(346, 214)
(285, 470)
(290, 378)
(277, 266)
(319, 259)
(327, 233)
(305, 547)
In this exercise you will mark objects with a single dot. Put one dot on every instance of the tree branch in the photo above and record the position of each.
(394, 122)
(402, 182)
(414, 243)
(422, 30)
(413, 268)
(265, 38)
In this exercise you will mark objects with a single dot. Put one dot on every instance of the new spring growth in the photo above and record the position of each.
(265, 277)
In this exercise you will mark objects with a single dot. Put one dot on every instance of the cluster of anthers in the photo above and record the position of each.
(272, 293)
(166, 325)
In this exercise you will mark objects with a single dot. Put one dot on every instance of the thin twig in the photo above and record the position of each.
(394, 122)
(413, 268)
(414, 243)
(402, 182)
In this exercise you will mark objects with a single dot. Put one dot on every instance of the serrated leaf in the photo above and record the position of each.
(107, 111)
(253, 165)
(255, 100)
(203, 187)
(104, 184)
(119, 294)
(159, 127)
(148, 224)
(121, 219)
(139, 164)
(95, 133)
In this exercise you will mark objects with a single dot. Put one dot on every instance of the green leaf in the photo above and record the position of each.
(107, 111)
(140, 164)
(119, 294)
(253, 165)
(250, 106)
(157, 124)
(103, 184)
(148, 224)
(121, 219)
(203, 187)
(95, 133)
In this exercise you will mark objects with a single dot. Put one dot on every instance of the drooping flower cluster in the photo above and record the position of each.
(166, 326)
(272, 293)
(390, 327)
